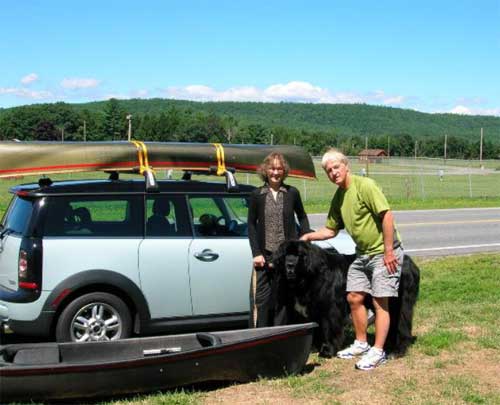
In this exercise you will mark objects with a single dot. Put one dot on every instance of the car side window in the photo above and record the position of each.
(166, 217)
(94, 216)
(18, 215)
(219, 216)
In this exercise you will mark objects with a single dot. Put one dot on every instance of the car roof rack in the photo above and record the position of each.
(231, 183)
(44, 181)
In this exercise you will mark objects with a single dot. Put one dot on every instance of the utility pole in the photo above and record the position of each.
(481, 150)
(416, 145)
(272, 138)
(388, 146)
(445, 140)
(129, 118)
(62, 134)
(367, 157)
(84, 131)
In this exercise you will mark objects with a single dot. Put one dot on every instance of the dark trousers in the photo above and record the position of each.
(264, 310)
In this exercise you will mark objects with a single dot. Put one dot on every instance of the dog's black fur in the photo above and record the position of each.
(311, 281)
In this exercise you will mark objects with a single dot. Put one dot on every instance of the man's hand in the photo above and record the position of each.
(320, 234)
(390, 261)
(259, 261)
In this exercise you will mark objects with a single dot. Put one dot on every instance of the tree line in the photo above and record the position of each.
(172, 120)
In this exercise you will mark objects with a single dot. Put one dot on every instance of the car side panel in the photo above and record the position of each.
(65, 257)
(222, 285)
(163, 265)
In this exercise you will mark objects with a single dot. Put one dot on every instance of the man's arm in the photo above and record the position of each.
(320, 234)
(390, 261)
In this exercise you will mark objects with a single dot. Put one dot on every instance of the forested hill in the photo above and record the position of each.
(313, 126)
(346, 119)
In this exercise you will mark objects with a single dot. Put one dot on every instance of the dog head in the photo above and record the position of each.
(292, 259)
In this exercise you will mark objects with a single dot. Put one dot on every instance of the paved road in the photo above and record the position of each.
(444, 232)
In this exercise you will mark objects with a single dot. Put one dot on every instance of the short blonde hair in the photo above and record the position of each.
(334, 155)
(268, 162)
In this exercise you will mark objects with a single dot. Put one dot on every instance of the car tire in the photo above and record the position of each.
(95, 316)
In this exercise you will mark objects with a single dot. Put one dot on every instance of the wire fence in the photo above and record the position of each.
(422, 178)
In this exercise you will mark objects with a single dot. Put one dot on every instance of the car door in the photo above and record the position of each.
(163, 257)
(220, 260)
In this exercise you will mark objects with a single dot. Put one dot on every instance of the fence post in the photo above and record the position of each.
(470, 183)
(422, 183)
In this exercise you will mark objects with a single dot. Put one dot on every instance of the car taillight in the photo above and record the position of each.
(23, 270)
(23, 265)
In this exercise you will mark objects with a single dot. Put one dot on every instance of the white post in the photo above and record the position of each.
(481, 150)
(445, 146)
(129, 118)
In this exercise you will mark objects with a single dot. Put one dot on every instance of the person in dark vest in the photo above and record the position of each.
(271, 221)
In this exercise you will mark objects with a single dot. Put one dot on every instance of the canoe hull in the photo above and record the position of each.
(280, 352)
(38, 158)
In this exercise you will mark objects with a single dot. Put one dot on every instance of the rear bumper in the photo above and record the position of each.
(4, 313)
(24, 318)
(40, 326)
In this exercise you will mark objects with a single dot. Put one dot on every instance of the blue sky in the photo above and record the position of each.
(431, 56)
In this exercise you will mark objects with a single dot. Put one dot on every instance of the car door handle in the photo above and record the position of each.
(206, 255)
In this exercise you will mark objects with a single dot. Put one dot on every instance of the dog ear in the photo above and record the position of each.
(279, 255)
(304, 251)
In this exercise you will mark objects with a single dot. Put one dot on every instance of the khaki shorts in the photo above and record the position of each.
(368, 274)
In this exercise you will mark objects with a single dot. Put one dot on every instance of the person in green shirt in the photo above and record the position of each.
(360, 207)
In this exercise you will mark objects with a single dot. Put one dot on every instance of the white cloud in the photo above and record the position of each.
(143, 93)
(25, 93)
(464, 110)
(79, 83)
(295, 91)
(461, 109)
(32, 77)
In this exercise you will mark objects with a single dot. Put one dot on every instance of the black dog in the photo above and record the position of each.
(311, 282)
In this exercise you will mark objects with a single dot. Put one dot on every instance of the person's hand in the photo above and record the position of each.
(304, 238)
(391, 261)
(259, 261)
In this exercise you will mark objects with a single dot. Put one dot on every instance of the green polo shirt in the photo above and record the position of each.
(357, 209)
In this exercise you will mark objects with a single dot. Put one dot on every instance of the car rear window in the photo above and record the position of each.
(95, 216)
(18, 215)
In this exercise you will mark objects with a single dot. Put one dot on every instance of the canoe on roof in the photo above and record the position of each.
(38, 158)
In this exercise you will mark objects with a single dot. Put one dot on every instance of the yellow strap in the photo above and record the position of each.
(142, 156)
(221, 165)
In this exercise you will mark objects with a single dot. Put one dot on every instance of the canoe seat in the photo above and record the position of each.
(17, 354)
(208, 339)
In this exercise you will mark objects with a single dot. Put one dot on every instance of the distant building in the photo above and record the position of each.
(372, 155)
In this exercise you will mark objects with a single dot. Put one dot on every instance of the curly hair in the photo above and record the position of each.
(268, 162)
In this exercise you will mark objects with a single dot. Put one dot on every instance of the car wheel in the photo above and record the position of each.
(94, 317)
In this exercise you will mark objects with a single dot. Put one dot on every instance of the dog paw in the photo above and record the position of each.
(326, 351)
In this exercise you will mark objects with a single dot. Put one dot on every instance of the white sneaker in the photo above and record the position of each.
(372, 359)
(356, 349)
